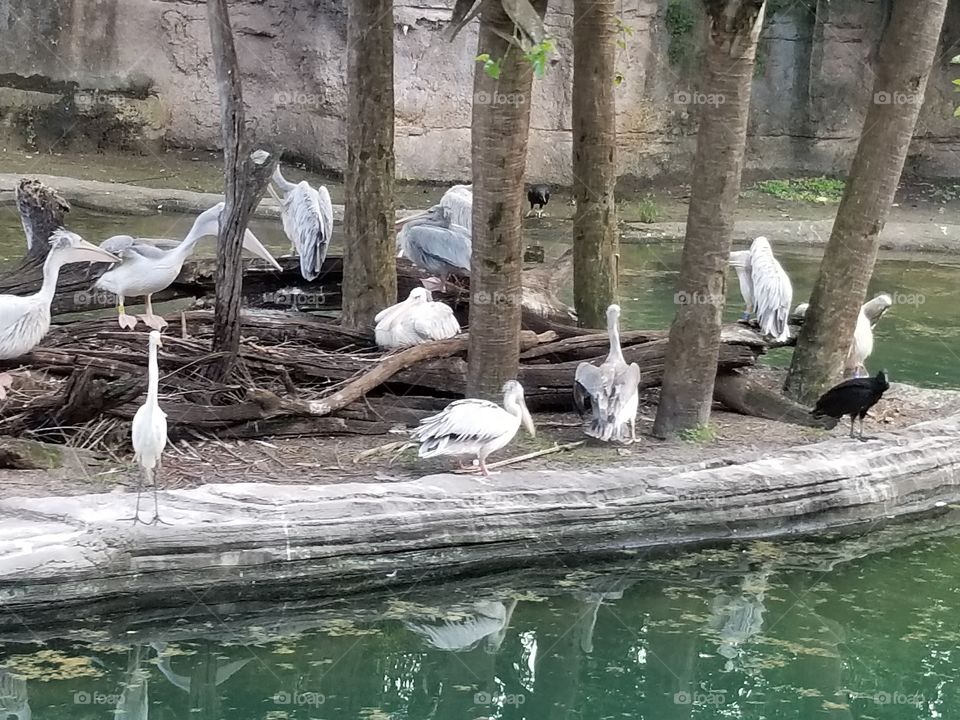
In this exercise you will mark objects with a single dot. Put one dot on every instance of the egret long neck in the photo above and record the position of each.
(153, 376)
(613, 330)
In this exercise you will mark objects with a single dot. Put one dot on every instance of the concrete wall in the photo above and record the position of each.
(137, 74)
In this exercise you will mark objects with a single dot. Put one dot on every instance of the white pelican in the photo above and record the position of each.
(24, 320)
(149, 431)
(307, 215)
(611, 388)
(146, 269)
(416, 320)
(475, 427)
(765, 288)
(459, 201)
(862, 346)
(486, 620)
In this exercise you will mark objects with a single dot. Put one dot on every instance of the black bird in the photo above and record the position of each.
(538, 195)
(852, 397)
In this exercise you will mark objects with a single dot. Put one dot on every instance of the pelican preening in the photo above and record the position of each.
(475, 427)
(149, 430)
(765, 287)
(611, 390)
(146, 269)
(416, 320)
(538, 195)
(307, 215)
(24, 320)
(862, 345)
(439, 240)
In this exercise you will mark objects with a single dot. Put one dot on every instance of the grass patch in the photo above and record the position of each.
(647, 210)
(700, 435)
(818, 189)
(680, 20)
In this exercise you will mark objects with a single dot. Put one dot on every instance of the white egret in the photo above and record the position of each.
(149, 431)
(24, 320)
(475, 427)
(611, 388)
(416, 320)
(146, 269)
(765, 287)
(307, 215)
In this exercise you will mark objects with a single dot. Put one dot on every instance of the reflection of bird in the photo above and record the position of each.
(852, 397)
(146, 269)
(434, 242)
(611, 390)
(25, 319)
(488, 620)
(739, 618)
(149, 431)
(416, 320)
(765, 288)
(134, 702)
(475, 427)
(538, 195)
(862, 345)
(307, 215)
(587, 621)
(162, 661)
(13, 697)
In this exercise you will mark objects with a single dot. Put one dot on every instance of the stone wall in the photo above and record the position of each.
(137, 74)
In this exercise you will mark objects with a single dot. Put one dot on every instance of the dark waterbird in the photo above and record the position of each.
(854, 398)
(538, 195)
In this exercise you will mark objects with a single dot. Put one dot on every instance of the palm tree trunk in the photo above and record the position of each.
(906, 55)
(501, 119)
(691, 362)
(595, 237)
(369, 257)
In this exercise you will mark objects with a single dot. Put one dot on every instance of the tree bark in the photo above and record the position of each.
(370, 250)
(906, 55)
(501, 119)
(244, 182)
(41, 212)
(691, 365)
(595, 237)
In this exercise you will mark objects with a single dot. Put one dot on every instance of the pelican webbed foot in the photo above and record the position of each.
(153, 321)
(128, 322)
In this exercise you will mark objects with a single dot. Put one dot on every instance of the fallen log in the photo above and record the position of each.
(748, 396)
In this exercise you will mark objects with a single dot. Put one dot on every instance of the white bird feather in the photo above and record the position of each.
(765, 288)
(307, 215)
(416, 320)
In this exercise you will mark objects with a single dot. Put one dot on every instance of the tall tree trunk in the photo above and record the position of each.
(369, 256)
(501, 119)
(691, 362)
(244, 182)
(595, 238)
(906, 55)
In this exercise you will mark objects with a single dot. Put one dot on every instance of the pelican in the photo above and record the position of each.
(149, 431)
(459, 201)
(475, 427)
(487, 620)
(185, 682)
(307, 215)
(416, 320)
(146, 269)
(612, 389)
(765, 288)
(24, 320)
(862, 346)
(434, 242)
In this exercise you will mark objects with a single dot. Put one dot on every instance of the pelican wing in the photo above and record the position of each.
(128, 247)
(469, 421)
(740, 261)
(308, 222)
(434, 321)
(457, 636)
(429, 245)
(458, 200)
(624, 394)
(773, 293)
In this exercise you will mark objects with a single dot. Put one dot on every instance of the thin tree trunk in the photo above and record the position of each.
(595, 237)
(501, 119)
(906, 55)
(41, 212)
(369, 258)
(244, 183)
(691, 363)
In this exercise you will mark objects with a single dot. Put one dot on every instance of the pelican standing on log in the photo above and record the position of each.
(416, 320)
(149, 431)
(475, 427)
(146, 269)
(307, 215)
(24, 320)
(765, 287)
(611, 390)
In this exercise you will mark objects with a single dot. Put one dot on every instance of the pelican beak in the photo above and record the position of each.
(88, 252)
(403, 221)
(527, 420)
(251, 244)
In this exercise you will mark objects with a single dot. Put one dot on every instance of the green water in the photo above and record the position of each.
(861, 628)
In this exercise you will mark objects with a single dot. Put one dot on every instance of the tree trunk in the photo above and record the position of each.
(595, 237)
(244, 182)
(906, 54)
(501, 119)
(41, 212)
(691, 365)
(369, 259)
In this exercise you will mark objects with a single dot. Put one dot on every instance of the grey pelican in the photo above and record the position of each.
(149, 430)
(433, 242)
(862, 345)
(538, 195)
(486, 621)
(24, 320)
(475, 427)
(612, 389)
(146, 269)
(765, 288)
(416, 320)
(307, 215)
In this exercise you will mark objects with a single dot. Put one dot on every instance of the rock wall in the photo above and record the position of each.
(137, 74)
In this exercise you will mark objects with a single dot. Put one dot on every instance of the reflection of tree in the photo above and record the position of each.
(206, 674)
(133, 703)
(736, 619)
(13, 697)
(671, 656)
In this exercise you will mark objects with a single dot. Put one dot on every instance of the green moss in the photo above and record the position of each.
(818, 189)
(700, 435)
(680, 20)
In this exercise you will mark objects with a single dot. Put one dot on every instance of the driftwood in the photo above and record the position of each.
(747, 396)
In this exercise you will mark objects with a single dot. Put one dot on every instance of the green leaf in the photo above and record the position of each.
(956, 113)
(955, 60)
(483, 57)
